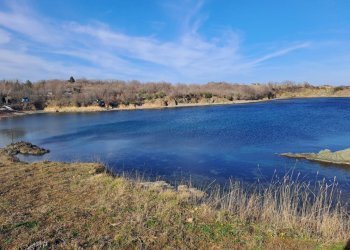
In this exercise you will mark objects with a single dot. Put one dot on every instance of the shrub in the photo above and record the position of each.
(208, 95)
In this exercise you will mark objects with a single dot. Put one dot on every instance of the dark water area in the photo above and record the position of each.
(199, 143)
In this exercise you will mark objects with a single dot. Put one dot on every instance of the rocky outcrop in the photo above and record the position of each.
(157, 185)
(341, 157)
(25, 148)
(190, 192)
(183, 190)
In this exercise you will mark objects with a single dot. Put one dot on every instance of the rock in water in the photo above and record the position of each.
(25, 148)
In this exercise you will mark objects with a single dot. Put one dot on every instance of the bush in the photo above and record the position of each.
(39, 104)
(336, 89)
(208, 95)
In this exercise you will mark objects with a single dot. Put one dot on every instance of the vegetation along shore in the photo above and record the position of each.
(83, 95)
(341, 157)
(82, 205)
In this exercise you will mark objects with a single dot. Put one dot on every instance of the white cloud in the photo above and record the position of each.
(21, 19)
(58, 49)
(4, 37)
(281, 52)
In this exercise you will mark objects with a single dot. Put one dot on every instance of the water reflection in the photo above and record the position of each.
(13, 134)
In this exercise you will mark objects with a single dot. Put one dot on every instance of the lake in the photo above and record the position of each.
(202, 144)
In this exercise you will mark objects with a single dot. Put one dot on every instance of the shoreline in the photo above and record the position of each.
(341, 157)
(147, 106)
(92, 109)
(83, 204)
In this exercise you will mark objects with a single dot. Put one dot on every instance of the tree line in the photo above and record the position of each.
(83, 92)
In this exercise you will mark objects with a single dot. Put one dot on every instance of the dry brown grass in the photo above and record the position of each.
(82, 95)
(309, 209)
(73, 109)
(78, 205)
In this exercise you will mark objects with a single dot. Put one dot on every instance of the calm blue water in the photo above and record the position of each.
(201, 143)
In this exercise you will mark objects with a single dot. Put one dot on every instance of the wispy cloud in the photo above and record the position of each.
(23, 20)
(4, 37)
(45, 48)
(281, 52)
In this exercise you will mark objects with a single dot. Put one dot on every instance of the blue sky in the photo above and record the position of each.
(191, 41)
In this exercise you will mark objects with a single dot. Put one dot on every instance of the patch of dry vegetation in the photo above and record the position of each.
(86, 95)
(73, 205)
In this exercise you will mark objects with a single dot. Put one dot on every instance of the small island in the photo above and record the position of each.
(341, 157)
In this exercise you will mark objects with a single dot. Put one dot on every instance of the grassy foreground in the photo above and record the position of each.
(79, 205)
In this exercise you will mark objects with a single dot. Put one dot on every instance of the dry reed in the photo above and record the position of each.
(312, 209)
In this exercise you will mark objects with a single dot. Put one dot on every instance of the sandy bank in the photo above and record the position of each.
(154, 105)
(158, 104)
